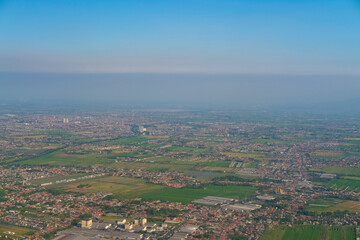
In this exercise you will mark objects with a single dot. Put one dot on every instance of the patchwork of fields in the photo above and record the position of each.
(309, 232)
(123, 188)
(332, 205)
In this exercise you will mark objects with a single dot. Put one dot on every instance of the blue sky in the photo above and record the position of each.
(296, 37)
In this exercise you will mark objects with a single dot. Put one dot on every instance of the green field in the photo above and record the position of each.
(309, 232)
(344, 184)
(173, 165)
(123, 188)
(332, 205)
(138, 140)
(250, 165)
(184, 149)
(19, 231)
(216, 164)
(89, 158)
(130, 155)
(323, 205)
(241, 155)
(60, 158)
(348, 171)
(187, 195)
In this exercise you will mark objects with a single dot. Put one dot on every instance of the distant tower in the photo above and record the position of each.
(66, 120)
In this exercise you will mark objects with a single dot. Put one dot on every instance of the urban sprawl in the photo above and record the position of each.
(178, 174)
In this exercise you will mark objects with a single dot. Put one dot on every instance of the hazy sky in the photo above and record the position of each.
(221, 51)
(249, 91)
(191, 36)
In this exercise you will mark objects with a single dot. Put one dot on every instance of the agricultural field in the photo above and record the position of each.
(348, 171)
(60, 158)
(121, 187)
(156, 163)
(328, 154)
(124, 188)
(253, 155)
(187, 195)
(138, 140)
(18, 231)
(250, 165)
(217, 169)
(203, 174)
(217, 164)
(309, 232)
(351, 206)
(332, 205)
(133, 155)
(110, 218)
(193, 151)
(343, 184)
(323, 205)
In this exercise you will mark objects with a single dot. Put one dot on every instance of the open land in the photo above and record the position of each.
(309, 232)
(281, 176)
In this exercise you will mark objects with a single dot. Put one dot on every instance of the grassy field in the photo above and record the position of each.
(348, 171)
(251, 165)
(217, 164)
(187, 195)
(130, 155)
(110, 218)
(60, 158)
(155, 164)
(332, 205)
(183, 149)
(203, 174)
(323, 204)
(348, 178)
(219, 169)
(344, 184)
(19, 231)
(352, 178)
(351, 206)
(309, 232)
(253, 155)
(138, 140)
(121, 187)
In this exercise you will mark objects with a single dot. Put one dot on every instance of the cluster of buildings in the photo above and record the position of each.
(289, 152)
(171, 179)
